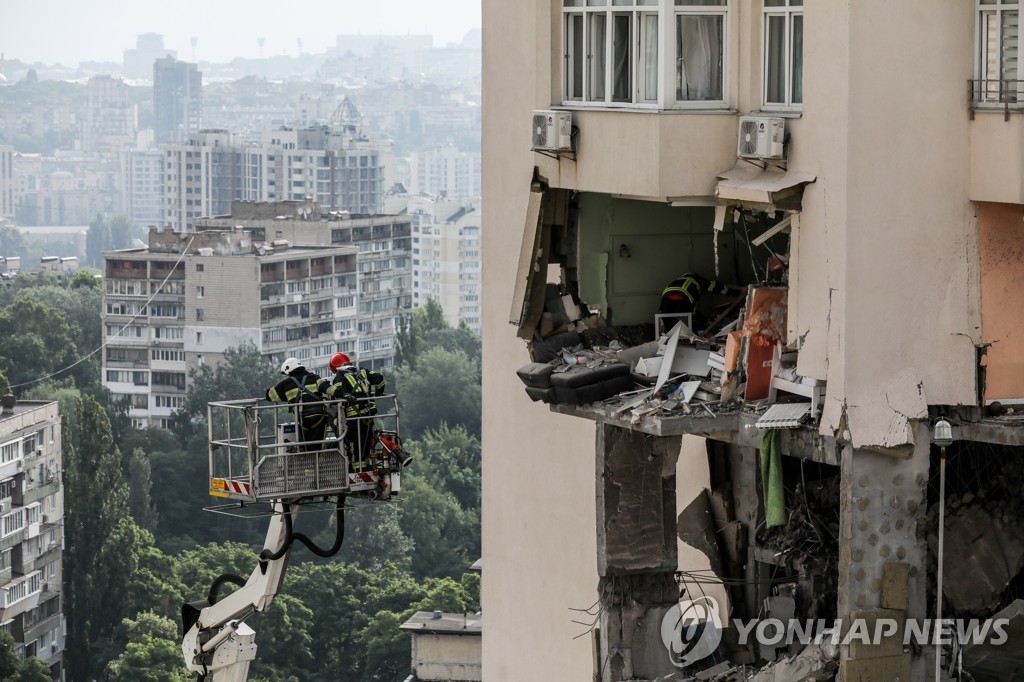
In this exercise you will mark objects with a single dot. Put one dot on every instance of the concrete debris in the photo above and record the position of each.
(999, 661)
(974, 580)
(813, 663)
(696, 527)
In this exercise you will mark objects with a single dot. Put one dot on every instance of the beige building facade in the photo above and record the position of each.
(897, 191)
(32, 530)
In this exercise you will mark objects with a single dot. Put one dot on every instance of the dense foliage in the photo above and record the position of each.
(138, 543)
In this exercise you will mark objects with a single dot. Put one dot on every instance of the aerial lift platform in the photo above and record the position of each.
(259, 466)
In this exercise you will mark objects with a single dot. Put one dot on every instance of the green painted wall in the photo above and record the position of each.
(629, 250)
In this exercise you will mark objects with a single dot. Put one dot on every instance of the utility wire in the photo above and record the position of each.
(126, 324)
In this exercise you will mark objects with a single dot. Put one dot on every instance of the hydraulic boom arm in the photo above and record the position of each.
(217, 641)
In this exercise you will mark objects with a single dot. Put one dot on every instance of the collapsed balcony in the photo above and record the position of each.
(605, 347)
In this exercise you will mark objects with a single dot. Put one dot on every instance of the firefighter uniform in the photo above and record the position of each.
(357, 386)
(683, 294)
(307, 390)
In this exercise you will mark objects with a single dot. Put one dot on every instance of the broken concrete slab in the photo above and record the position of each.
(974, 580)
(696, 527)
(813, 663)
(988, 661)
(714, 671)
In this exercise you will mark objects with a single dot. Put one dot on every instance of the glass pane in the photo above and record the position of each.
(1009, 46)
(699, 57)
(647, 2)
(576, 57)
(720, 3)
(1008, 56)
(990, 55)
(622, 2)
(774, 3)
(572, 3)
(622, 58)
(988, 2)
(597, 56)
(775, 60)
(650, 49)
(797, 60)
(796, 3)
(597, 3)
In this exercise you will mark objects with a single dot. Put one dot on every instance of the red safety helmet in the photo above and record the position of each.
(339, 360)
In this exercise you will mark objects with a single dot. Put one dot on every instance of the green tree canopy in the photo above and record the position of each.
(152, 651)
(35, 340)
(102, 540)
(244, 373)
(443, 388)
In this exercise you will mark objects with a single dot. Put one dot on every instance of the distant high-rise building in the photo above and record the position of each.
(143, 185)
(109, 117)
(177, 99)
(7, 183)
(445, 255)
(445, 172)
(138, 61)
(330, 165)
(201, 177)
(307, 286)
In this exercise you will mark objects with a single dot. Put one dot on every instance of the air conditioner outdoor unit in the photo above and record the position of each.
(552, 130)
(5, 506)
(761, 137)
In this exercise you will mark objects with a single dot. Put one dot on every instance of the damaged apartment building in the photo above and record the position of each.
(853, 173)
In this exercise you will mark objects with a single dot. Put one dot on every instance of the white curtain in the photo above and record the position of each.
(698, 57)
(650, 57)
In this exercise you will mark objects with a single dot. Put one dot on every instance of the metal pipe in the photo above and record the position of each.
(938, 589)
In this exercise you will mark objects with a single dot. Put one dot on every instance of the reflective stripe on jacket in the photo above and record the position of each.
(356, 384)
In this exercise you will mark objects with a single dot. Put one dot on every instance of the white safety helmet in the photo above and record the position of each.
(290, 365)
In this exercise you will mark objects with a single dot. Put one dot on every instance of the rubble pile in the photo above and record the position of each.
(987, 517)
(816, 662)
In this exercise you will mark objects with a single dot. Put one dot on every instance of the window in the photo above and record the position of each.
(998, 50)
(783, 53)
(612, 51)
(699, 50)
(200, 291)
(199, 267)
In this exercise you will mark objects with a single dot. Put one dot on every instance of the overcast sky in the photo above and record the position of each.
(71, 31)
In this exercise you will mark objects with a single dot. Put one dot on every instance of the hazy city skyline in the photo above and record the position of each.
(70, 31)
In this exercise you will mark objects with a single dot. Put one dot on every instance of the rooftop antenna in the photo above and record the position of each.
(259, 41)
(195, 41)
(299, 41)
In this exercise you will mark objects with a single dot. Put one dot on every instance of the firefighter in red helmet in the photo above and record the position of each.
(357, 386)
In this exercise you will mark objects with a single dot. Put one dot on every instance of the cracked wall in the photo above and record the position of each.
(887, 311)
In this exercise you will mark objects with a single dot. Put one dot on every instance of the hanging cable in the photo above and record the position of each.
(126, 324)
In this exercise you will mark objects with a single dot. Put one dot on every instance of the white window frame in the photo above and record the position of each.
(992, 95)
(665, 13)
(788, 11)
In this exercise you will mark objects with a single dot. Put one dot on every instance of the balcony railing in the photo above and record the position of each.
(995, 95)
